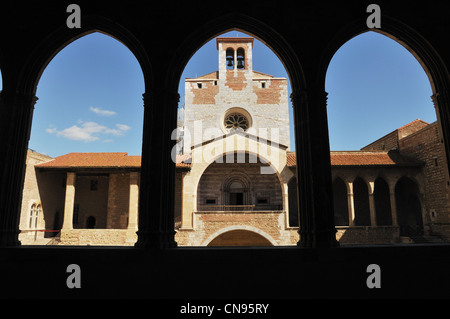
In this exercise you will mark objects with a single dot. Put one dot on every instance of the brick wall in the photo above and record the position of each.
(118, 200)
(426, 145)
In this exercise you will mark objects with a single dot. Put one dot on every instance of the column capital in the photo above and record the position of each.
(300, 97)
(17, 99)
(152, 96)
(435, 99)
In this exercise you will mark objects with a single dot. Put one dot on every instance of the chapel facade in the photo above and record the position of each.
(235, 180)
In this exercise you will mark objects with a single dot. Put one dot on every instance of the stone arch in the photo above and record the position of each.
(239, 228)
(340, 202)
(244, 23)
(382, 202)
(63, 36)
(418, 46)
(198, 178)
(218, 184)
(361, 200)
(409, 207)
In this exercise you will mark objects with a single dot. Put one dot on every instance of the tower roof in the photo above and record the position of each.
(234, 40)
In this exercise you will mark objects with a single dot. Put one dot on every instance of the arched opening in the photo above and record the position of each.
(379, 106)
(240, 58)
(243, 93)
(239, 238)
(340, 203)
(369, 77)
(409, 207)
(238, 185)
(361, 200)
(382, 200)
(87, 123)
(230, 59)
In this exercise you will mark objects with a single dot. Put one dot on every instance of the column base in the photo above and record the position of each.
(156, 240)
(9, 238)
(318, 239)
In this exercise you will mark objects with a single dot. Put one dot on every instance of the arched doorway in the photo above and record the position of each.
(409, 208)
(240, 237)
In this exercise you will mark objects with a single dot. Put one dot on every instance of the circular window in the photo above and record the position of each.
(236, 121)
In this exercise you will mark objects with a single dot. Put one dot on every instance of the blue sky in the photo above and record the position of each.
(90, 94)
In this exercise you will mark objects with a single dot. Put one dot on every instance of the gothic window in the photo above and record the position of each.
(236, 120)
(34, 216)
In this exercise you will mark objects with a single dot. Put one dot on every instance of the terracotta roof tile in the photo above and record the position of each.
(364, 158)
(123, 160)
(102, 160)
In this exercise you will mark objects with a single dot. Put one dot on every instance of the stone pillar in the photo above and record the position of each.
(351, 204)
(157, 186)
(133, 201)
(16, 112)
(69, 201)
(373, 217)
(313, 169)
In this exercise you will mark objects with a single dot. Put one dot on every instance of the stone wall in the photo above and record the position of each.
(209, 225)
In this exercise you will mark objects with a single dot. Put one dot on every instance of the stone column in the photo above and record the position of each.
(351, 204)
(16, 112)
(313, 169)
(157, 186)
(69, 201)
(133, 201)
(373, 217)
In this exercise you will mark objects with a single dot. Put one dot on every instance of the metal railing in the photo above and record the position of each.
(226, 208)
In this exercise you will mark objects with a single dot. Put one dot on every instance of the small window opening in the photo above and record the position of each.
(199, 85)
(230, 59)
(240, 58)
(263, 85)
(210, 201)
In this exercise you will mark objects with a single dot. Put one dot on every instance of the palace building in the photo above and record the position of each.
(235, 181)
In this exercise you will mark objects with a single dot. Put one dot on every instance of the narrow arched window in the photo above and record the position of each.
(240, 58)
(34, 216)
(230, 59)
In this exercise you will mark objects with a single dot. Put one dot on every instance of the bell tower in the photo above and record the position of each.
(235, 54)
(235, 97)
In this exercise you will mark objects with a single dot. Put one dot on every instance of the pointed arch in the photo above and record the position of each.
(63, 36)
(240, 22)
(418, 46)
(340, 202)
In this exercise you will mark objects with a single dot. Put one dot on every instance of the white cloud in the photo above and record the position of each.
(101, 112)
(89, 131)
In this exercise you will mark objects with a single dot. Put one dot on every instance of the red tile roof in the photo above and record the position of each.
(102, 160)
(85, 160)
(123, 160)
(363, 158)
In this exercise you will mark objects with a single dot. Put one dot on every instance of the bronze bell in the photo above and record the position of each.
(240, 64)
(230, 61)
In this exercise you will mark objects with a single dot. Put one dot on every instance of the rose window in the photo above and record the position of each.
(235, 121)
